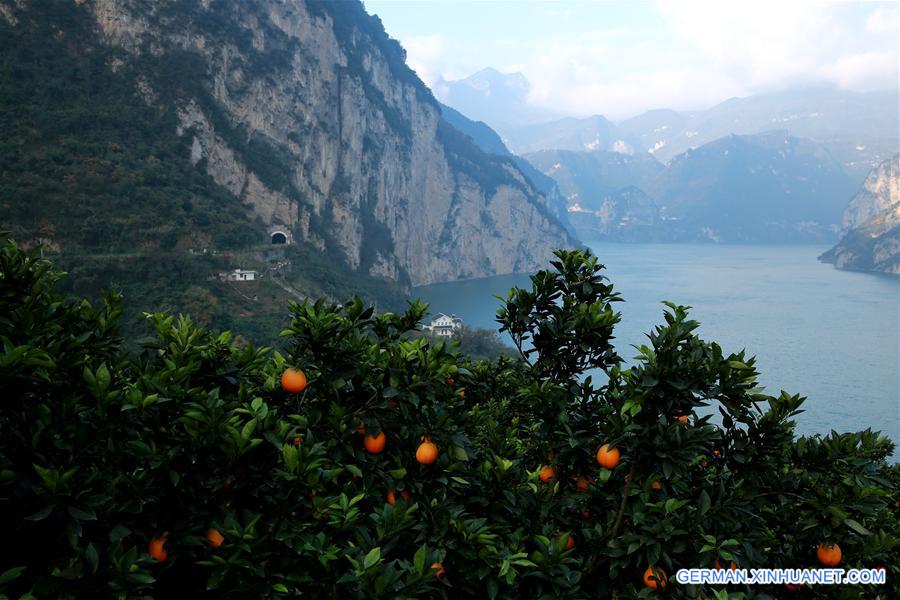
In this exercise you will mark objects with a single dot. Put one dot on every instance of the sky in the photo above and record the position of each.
(619, 58)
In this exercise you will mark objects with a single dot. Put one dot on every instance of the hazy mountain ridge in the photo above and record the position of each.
(587, 134)
(499, 99)
(625, 215)
(871, 239)
(585, 178)
(768, 187)
(771, 188)
(858, 129)
(306, 112)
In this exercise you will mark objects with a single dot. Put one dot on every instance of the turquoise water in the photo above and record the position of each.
(832, 336)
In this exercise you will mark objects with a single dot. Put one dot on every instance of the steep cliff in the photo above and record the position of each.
(489, 141)
(307, 113)
(871, 235)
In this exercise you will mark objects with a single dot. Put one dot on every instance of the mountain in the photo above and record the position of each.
(153, 147)
(858, 129)
(765, 188)
(205, 127)
(496, 98)
(871, 234)
(655, 130)
(489, 141)
(591, 133)
(585, 178)
(769, 187)
(625, 215)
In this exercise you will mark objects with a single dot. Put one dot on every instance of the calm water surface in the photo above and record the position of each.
(833, 336)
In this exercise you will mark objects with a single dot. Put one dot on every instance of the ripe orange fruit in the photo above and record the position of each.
(391, 498)
(547, 474)
(449, 381)
(582, 483)
(654, 577)
(656, 485)
(683, 419)
(427, 452)
(293, 381)
(375, 443)
(608, 457)
(156, 547)
(298, 440)
(565, 541)
(462, 393)
(718, 565)
(716, 452)
(214, 538)
(829, 554)
(439, 568)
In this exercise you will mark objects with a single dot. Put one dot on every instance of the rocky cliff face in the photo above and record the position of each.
(871, 222)
(307, 112)
(880, 191)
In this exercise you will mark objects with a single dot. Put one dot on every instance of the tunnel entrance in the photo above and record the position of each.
(279, 238)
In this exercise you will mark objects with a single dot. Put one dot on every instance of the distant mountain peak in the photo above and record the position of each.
(498, 99)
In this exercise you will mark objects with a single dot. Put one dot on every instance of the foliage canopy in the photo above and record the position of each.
(103, 451)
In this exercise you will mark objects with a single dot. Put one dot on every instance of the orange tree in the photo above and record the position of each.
(187, 469)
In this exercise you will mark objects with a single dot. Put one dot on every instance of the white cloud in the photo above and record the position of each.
(866, 70)
(884, 21)
(715, 50)
(426, 55)
(700, 52)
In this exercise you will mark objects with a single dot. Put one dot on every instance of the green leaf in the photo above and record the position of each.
(10, 574)
(419, 560)
(857, 527)
(372, 558)
(81, 514)
(142, 577)
(704, 502)
(248, 429)
(103, 378)
(90, 554)
(280, 588)
(118, 533)
(396, 473)
(670, 505)
(41, 514)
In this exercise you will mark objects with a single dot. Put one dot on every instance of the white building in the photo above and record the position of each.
(239, 275)
(443, 325)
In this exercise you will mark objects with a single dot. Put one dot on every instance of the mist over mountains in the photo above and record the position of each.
(858, 129)
(770, 168)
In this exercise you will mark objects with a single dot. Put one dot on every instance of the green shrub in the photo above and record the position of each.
(102, 451)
